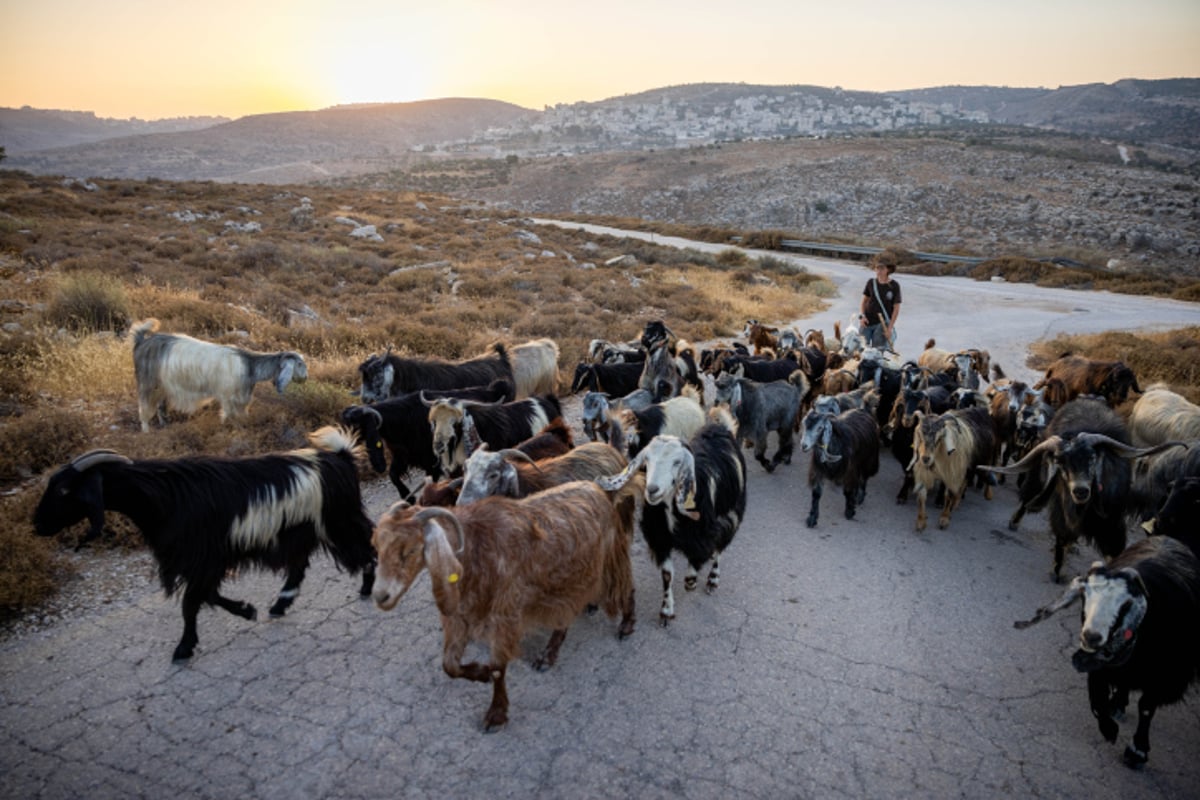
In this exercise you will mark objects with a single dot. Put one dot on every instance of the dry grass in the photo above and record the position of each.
(77, 267)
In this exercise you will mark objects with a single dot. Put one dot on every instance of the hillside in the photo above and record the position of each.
(353, 140)
(1012, 193)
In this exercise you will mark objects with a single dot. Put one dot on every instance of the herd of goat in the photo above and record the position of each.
(519, 527)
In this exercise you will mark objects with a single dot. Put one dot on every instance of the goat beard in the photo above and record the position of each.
(1115, 653)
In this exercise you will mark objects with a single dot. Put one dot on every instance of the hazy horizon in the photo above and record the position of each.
(135, 58)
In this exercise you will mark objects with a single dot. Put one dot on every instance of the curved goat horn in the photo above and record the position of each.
(1073, 592)
(428, 514)
(1030, 460)
(1126, 450)
(94, 457)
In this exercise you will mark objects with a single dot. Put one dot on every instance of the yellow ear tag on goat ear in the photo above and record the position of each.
(689, 502)
(452, 577)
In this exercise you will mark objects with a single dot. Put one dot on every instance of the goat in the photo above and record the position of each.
(458, 424)
(680, 416)
(613, 379)
(514, 474)
(202, 516)
(935, 359)
(602, 352)
(903, 425)
(389, 375)
(759, 409)
(553, 440)
(1138, 632)
(181, 373)
(845, 451)
(516, 564)
(660, 374)
(1082, 471)
(947, 448)
(760, 337)
(1153, 478)
(402, 424)
(695, 499)
(598, 411)
(1111, 380)
(1178, 513)
(535, 367)
(763, 370)
(1161, 415)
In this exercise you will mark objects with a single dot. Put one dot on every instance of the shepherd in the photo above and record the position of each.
(881, 303)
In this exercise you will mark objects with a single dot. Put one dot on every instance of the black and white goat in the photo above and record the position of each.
(181, 373)
(760, 409)
(458, 426)
(845, 450)
(680, 416)
(401, 424)
(1138, 632)
(202, 516)
(695, 499)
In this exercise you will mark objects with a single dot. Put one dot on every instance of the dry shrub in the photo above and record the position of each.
(87, 302)
(31, 568)
(39, 440)
(92, 367)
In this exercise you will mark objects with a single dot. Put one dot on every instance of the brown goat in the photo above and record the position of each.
(514, 565)
(1111, 380)
(760, 337)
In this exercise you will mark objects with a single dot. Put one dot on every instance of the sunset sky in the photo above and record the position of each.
(153, 59)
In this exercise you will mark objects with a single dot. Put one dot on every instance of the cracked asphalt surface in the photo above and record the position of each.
(856, 660)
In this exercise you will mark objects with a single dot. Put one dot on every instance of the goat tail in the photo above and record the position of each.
(930, 343)
(339, 439)
(141, 330)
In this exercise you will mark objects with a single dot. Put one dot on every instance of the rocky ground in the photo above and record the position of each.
(938, 195)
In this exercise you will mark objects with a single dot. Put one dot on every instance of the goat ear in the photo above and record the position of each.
(445, 569)
(90, 493)
(685, 495)
(286, 368)
(1073, 593)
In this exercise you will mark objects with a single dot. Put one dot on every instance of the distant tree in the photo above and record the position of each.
(1, 153)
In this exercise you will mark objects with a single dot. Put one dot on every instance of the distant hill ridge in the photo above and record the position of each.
(370, 138)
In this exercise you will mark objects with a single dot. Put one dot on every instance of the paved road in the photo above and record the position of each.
(856, 660)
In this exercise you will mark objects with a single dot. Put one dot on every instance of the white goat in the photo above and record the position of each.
(182, 373)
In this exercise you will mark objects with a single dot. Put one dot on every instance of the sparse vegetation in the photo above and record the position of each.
(78, 267)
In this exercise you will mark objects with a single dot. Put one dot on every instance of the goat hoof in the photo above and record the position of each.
(494, 721)
(665, 619)
(811, 521)
(542, 665)
(849, 513)
(626, 629)
(182, 653)
(1135, 758)
(591, 608)
(943, 524)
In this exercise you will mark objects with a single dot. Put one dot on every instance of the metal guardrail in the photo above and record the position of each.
(824, 248)
(851, 249)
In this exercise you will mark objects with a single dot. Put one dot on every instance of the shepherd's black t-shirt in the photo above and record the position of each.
(888, 292)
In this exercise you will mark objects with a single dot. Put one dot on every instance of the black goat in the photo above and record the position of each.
(402, 424)
(1138, 632)
(1082, 471)
(845, 450)
(389, 375)
(616, 380)
(760, 409)
(695, 499)
(203, 516)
